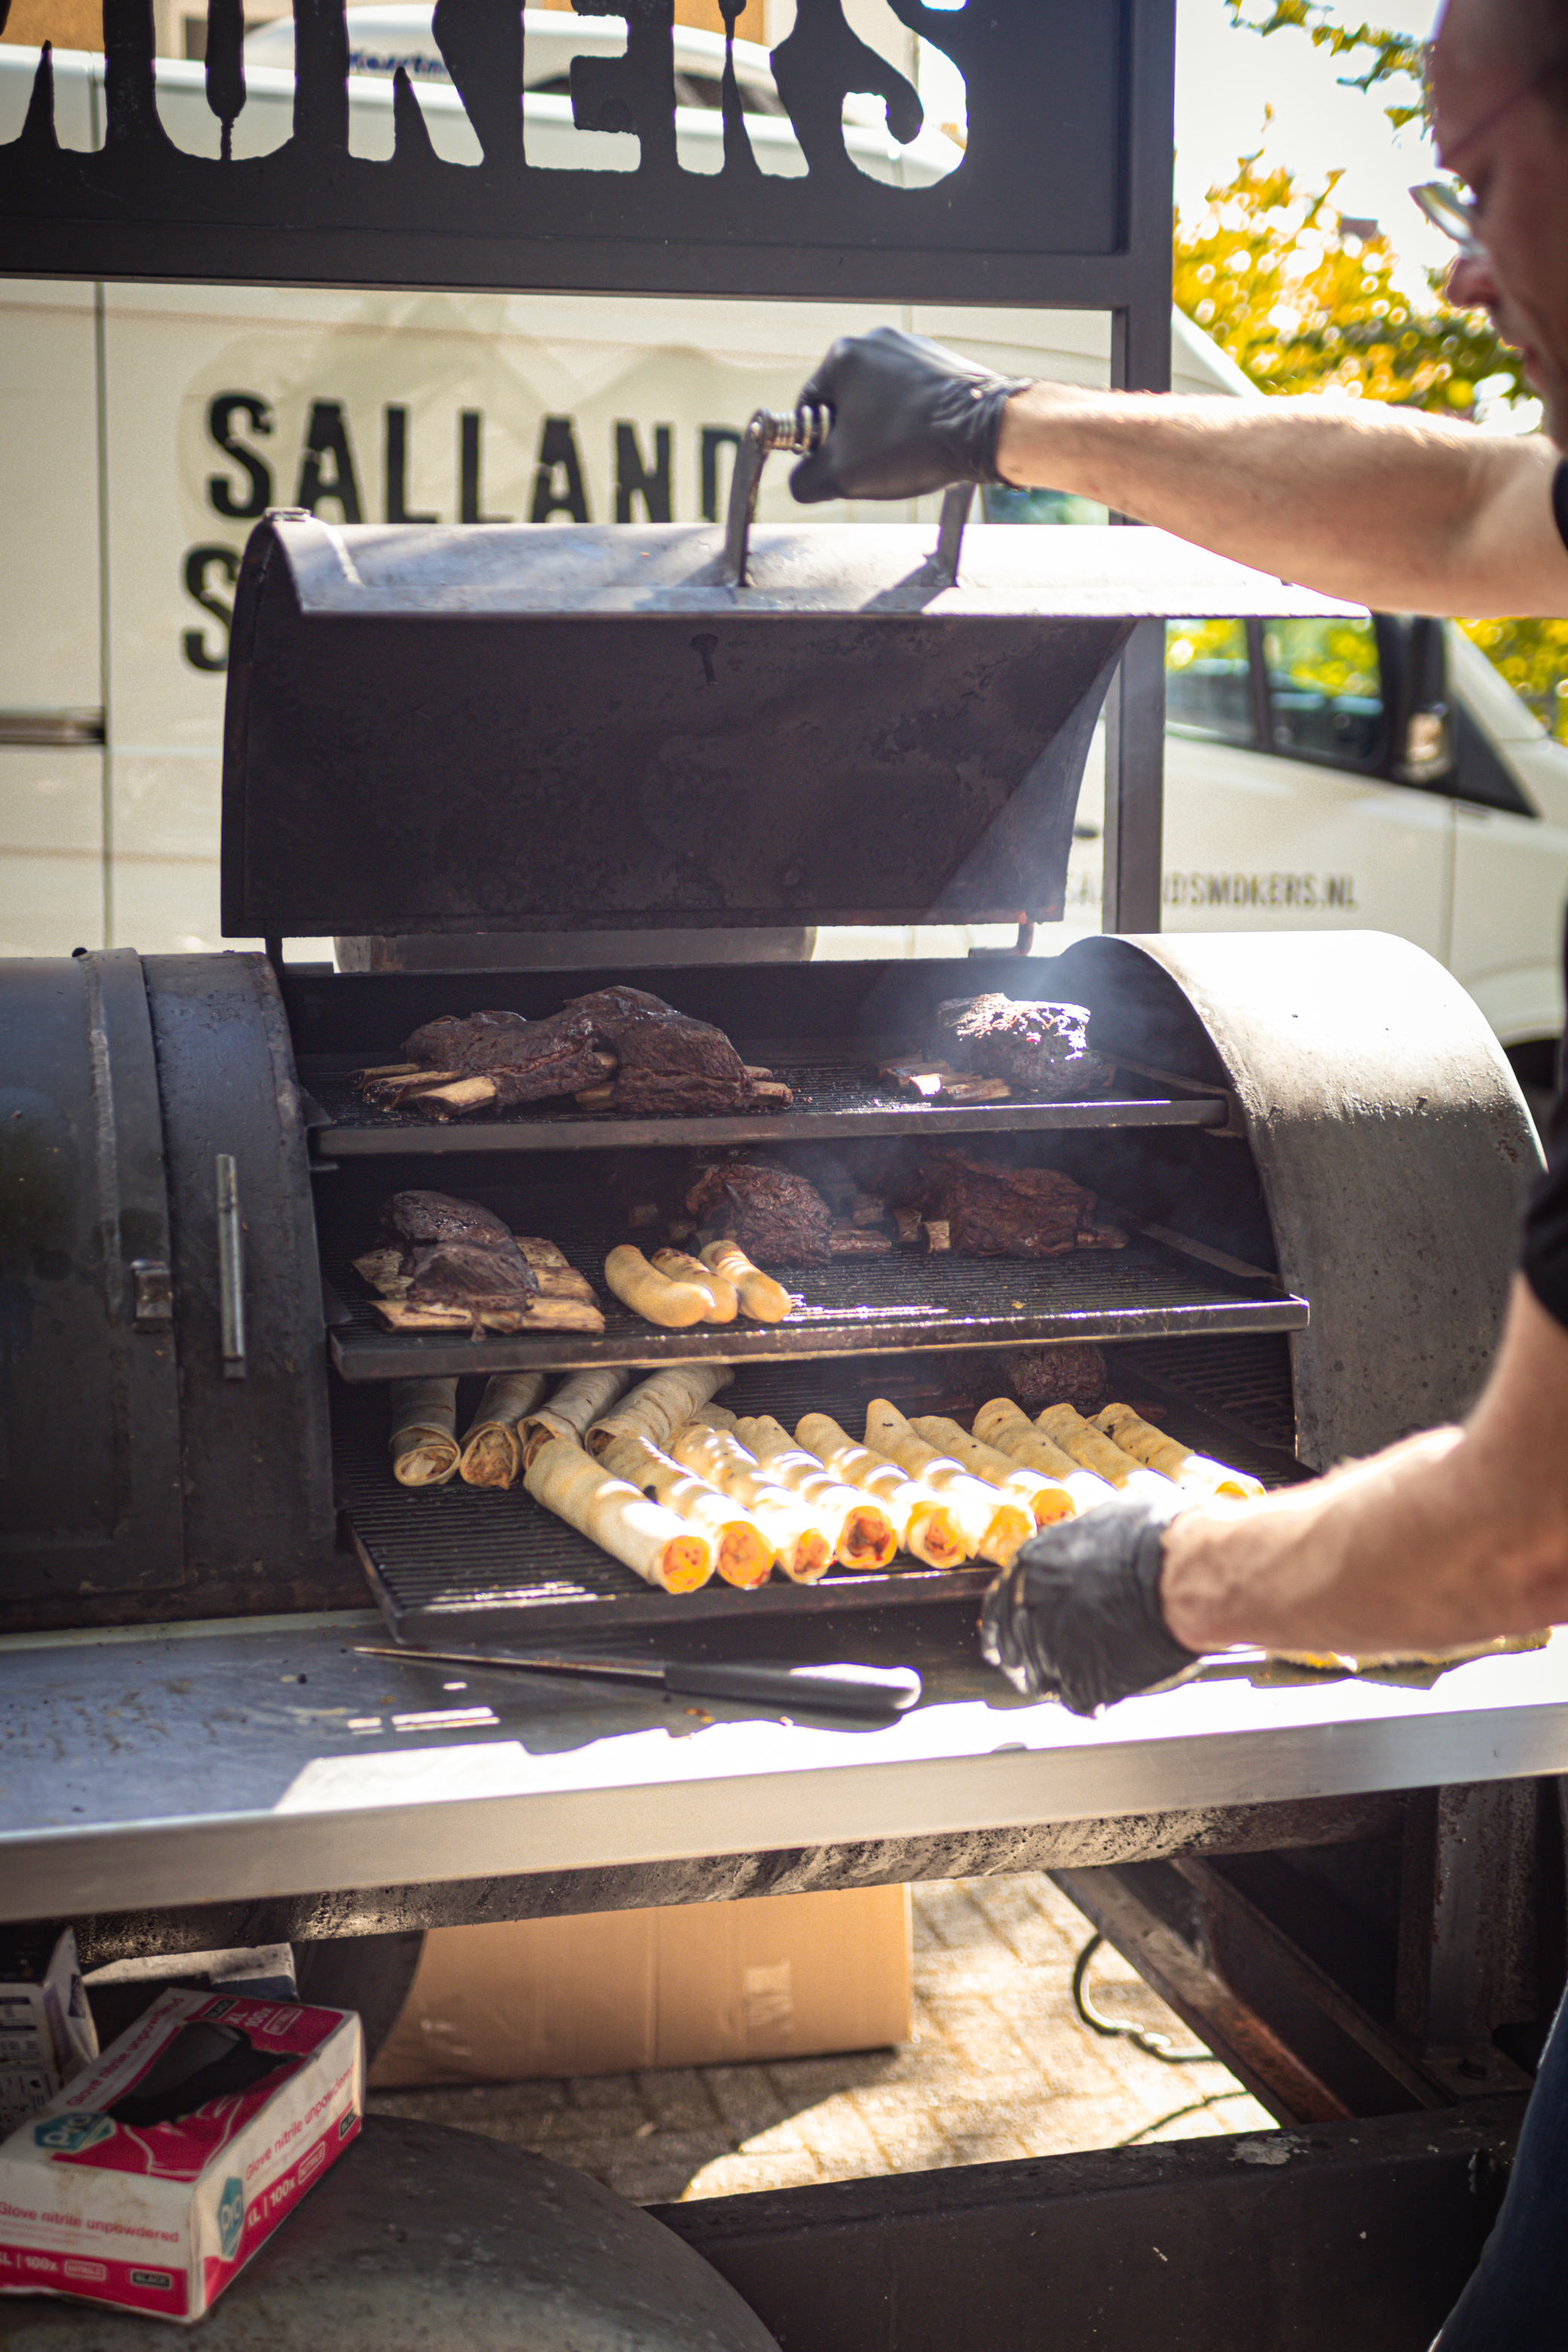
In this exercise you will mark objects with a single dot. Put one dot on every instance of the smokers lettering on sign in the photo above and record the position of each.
(1316, 891)
(333, 473)
(1259, 890)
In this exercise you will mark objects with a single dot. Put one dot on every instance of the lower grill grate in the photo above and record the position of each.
(465, 1565)
(853, 1306)
(1243, 1381)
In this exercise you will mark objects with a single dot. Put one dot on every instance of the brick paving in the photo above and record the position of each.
(1000, 2067)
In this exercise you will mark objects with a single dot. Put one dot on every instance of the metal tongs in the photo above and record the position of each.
(868, 1694)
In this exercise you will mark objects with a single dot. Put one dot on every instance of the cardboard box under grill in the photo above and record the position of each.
(698, 1984)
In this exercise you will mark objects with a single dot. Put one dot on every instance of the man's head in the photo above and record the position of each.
(1500, 91)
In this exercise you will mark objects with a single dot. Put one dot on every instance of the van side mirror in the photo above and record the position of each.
(1415, 695)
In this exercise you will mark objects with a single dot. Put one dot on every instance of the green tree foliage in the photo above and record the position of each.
(1391, 56)
(1303, 305)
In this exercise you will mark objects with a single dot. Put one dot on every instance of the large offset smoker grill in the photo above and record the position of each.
(440, 741)
(1313, 1142)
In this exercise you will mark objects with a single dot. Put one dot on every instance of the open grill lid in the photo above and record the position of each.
(535, 728)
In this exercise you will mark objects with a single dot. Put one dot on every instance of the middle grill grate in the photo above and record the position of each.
(851, 1306)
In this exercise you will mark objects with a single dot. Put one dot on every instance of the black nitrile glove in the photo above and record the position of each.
(908, 416)
(1076, 1616)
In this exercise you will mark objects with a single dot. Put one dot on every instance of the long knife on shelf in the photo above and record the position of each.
(869, 1693)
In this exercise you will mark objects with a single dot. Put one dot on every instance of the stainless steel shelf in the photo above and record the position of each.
(172, 1765)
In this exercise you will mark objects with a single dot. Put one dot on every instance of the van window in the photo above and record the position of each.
(1209, 682)
(1325, 690)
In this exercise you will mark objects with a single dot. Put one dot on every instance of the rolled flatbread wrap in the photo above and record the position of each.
(424, 1432)
(673, 1305)
(862, 1532)
(659, 1405)
(1198, 1473)
(492, 1448)
(803, 1550)
(1098, 1453)
(924, 1524)
(742, 1554)
(1002, 1424)
(676, 1266)
(762, 1298)
(994, 1525)
(1047, 1497)
(643, 1537)
(572, 1408)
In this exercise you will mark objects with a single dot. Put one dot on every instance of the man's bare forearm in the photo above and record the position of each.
(1384, 506)
(1451, 1537)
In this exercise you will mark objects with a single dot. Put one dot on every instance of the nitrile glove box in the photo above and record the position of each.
(154, 2177)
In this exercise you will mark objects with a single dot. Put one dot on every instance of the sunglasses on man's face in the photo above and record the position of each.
(1455, 215)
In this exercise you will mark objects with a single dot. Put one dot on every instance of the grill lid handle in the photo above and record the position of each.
(956, 502)
(800, 431)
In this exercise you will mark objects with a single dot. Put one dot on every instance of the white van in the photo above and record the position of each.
(148, 427)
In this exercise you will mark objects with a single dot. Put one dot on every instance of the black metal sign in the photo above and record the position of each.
(1061, 196)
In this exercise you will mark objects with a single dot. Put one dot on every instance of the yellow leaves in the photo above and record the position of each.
(1533, 655)
(1302, 307)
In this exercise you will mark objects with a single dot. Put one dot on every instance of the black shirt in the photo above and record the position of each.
(1545, 1258)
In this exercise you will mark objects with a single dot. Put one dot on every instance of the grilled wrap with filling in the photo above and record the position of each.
(717, 1455)
(424, 1432)
(1047, 1497)
(660, 1405)
(863, 1534)
(993, 1524)
(742, 1554)
(492, 1448)
(570, 1410)
(925, 1525)
(1098, 1453)
(1198, 1473)
(643, 1537)
(1000, 1424)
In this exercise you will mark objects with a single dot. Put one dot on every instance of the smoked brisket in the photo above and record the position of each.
(1036, 1048)
(778, 1218)
(528, 1061)
(456, 1253)
(994, 1210)
(1070, 1373)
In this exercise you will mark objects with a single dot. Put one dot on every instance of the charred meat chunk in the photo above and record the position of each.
(456, 1253)
(778, 1218)
(461, 1274)
(437, 1217)
(670, 1063)
(993, 1211)
(1040, 1049)
(609, 1009)
(1071, 1373)
(527, 1061)
(469, 1041)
